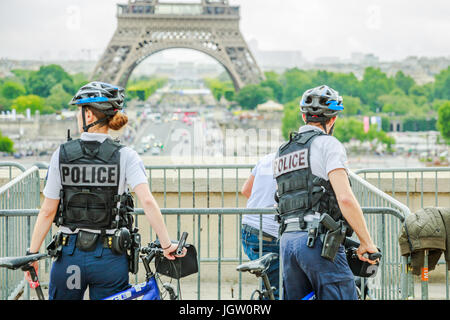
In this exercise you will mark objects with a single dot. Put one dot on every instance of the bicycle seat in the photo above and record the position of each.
(14, 263)
(259, 265)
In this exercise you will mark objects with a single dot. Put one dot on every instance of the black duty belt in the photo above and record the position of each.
(106, 239)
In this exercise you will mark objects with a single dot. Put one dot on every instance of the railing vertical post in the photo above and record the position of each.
(179, 205)
(446, 282)
(240, 256)
(207, 217)
(424, 276)
(404, 278)
(219, 257)
(193, 202)
(199, 248)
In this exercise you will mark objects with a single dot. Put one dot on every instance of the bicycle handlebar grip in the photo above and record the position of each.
(375, 256)
(181, 244)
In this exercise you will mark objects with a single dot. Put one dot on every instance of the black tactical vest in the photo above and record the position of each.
(90, 173)
(300, 192)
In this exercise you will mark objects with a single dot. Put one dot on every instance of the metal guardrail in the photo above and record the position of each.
(9, 166)
(218, 256)
(214, 216)
(23, 192)
(406, 181)
(385, 231)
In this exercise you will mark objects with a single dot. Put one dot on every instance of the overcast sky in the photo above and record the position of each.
(391, 29)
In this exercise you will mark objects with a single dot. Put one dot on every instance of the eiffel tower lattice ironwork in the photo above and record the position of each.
(147, 27)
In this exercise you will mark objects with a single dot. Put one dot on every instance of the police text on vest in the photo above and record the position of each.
(89, 175)
(290, 162)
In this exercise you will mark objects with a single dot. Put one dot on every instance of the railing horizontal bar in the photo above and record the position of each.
(204, 211)
(13, 164)
(206, 166)
(18, 179)
(377, 170)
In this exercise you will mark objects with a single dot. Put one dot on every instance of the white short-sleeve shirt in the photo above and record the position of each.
(263, 196)
(132, 171)
(327, 154)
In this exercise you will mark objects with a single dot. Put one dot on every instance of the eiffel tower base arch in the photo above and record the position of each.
(140, 35)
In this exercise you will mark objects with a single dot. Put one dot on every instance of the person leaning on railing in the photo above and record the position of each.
(86, 195)
(316, 205)
(260, 189)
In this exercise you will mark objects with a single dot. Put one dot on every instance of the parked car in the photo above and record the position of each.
(155, 151)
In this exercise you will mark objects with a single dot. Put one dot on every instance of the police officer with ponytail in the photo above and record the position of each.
(87, 197)
(317, 209)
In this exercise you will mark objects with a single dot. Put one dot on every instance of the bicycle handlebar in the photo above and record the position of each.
(351, 244)
(154, 248)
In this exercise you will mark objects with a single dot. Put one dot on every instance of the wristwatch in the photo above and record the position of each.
(28, 253)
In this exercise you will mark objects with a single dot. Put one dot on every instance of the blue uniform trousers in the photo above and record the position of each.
(250, 243)
(304, 270)
(74, 271)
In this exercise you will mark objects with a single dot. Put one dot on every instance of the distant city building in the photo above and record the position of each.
(270, 106)
(327, 60)
(364, 59)
(276, 60)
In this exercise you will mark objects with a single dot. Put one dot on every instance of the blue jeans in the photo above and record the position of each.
(250, 243)
(304, 270)
(103, 271)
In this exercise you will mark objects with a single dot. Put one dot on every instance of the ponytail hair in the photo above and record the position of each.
(117, 122)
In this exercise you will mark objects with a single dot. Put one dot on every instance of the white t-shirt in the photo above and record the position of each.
(327, 154)
(263, 196)
(132, 171)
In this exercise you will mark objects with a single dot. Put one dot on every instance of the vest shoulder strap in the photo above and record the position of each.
(307, 136)
(107, 149)
(71, 150)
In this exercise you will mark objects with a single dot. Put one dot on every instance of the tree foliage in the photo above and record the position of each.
(143, 89)
(11, 90)
(41, 82)
(347, 129)
(221, 89)
(374, 84)
(291, 120)
(442, 84)
(250, 96)
(32, 102)
(443, 123)
(6, 144)
(404, 82)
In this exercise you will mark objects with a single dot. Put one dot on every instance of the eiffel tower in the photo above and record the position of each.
(147, 27)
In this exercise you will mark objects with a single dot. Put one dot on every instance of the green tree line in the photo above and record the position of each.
(144, 87)
(420, 107)
(51, 88)
(48, 89)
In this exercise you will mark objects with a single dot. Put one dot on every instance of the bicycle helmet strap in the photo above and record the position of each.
(87, 127)
(321, 120)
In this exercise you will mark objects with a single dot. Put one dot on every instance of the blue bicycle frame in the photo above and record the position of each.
(148, 289)
(310, 296)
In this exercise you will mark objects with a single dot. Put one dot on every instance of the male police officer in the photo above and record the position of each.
(314, 196)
